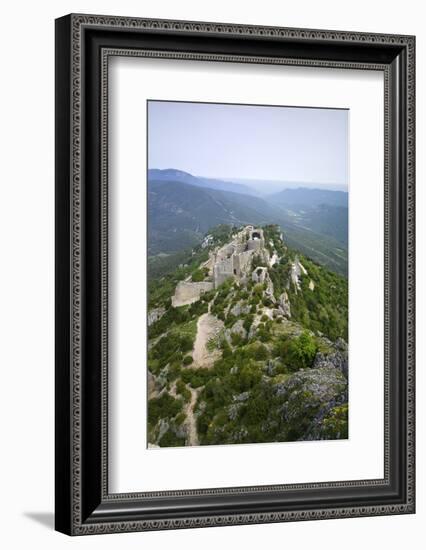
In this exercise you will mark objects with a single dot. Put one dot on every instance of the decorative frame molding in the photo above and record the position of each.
(84, 44)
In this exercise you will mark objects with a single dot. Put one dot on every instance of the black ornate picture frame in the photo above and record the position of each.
(84, 44)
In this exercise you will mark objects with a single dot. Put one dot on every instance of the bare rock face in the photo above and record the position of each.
(163, 427)
(310, 404)
(153, 387)
(284, 303)
(237, 328)
(269, 292)
(240, 309)
(241, 396)
(310, 396)
(233, 410)
(338, 359)
(155, 314)
(265, 256)
(297, 270)
(276, 313)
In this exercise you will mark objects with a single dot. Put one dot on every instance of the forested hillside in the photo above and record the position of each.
(182, 208)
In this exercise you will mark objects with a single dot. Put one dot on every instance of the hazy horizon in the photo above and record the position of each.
(281, 147)
(271, 185)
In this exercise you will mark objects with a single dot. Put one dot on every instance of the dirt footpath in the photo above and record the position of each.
(208, 327)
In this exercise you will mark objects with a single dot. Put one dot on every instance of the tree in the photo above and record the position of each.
(302, 351)
(198, 276)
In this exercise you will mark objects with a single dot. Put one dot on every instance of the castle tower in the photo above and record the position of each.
(256, 240)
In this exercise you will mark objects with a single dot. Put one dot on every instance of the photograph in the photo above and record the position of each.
(247, 273)
(234, 274)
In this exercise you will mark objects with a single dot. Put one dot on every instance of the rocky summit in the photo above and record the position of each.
(247, 344)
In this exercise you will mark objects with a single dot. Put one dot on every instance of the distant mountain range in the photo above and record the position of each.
(267, 187)
(171, 174)
(183, 207)
(311, 198)
(180, 214)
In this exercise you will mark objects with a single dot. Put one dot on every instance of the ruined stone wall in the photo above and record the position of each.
(239, 247)
(225, 252)
(256, 240)
(241, 262)
(255, 244)
(234, 259)
(187, 292)
(223, 270)
(245, 260)
(259, 275)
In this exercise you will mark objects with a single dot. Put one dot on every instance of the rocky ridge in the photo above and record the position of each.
(275, 366)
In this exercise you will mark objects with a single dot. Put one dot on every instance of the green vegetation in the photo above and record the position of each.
(324, 309)
(165, 272)
(199, 275)
(171, 347)
(179, 216)
(335, 424)
(297, 353)
(165, 406)
(182, 390)
(170, 439)
(265, 383)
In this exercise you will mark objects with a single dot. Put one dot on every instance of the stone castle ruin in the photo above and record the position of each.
(233, 260)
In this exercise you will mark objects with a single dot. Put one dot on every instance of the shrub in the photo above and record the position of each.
(154, 366)
(180, 419)
(198, 308)
(258, 290)
(248, 321)
(261, 353)
(208, 296)
(198, 275)
(335, 424)
(170, 439)
(281, 347)
(302, 351)
(165, 406)
(248, 377)
(174, 371)
(236, 339)
(230, 320)
(195, 377)
(173, 316)
(182, 390)
(263, 335)
(226, 349)
(186, 343)
(188, 359)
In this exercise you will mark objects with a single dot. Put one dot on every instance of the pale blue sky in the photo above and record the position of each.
(247, 141)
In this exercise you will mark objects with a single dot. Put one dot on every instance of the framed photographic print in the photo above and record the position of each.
(234, 274)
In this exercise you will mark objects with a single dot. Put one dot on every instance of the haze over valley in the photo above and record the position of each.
(183, 207)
